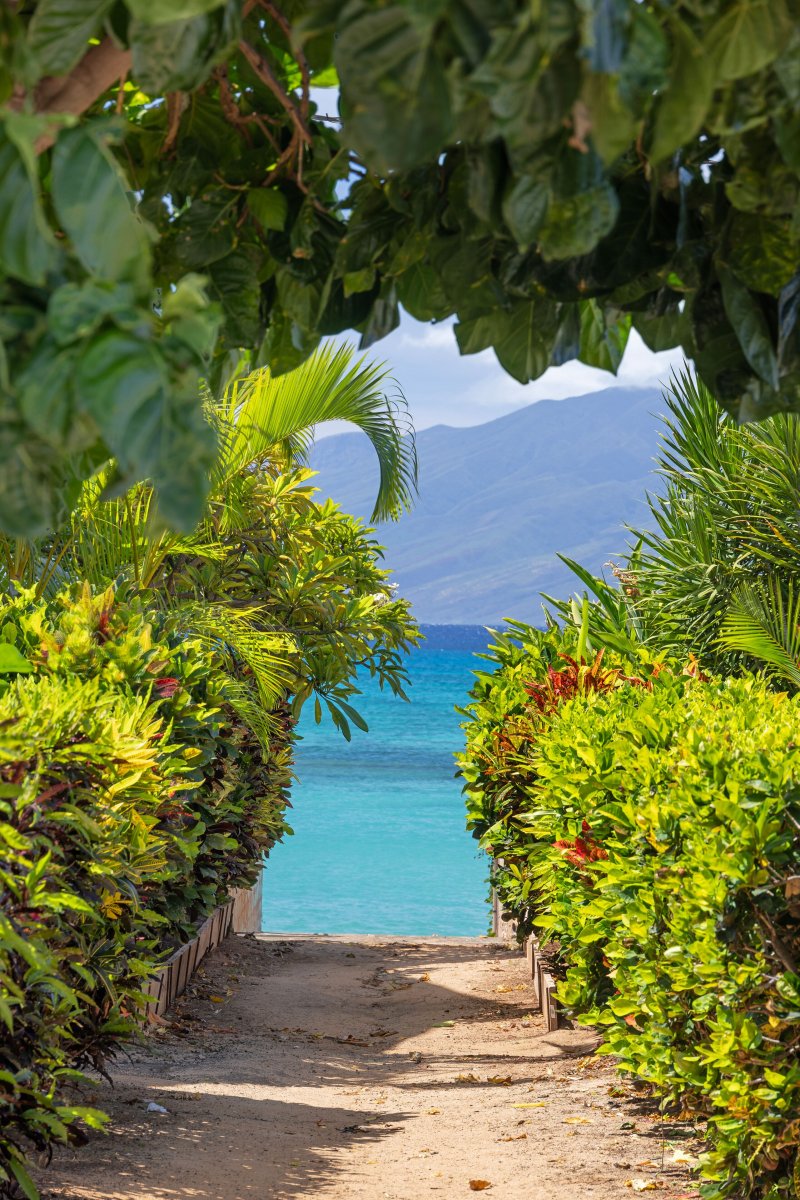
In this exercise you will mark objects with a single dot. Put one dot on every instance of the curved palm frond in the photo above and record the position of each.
(266, 655)
(765, 625)
(261, 412)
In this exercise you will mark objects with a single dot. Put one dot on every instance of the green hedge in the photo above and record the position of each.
(652, 832)
(132, 797)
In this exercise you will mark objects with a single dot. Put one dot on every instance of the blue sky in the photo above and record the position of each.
(442, 387)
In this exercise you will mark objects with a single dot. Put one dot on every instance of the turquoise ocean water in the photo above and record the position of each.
(380, 844)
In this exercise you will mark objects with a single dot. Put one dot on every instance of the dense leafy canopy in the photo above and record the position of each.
(552, 174)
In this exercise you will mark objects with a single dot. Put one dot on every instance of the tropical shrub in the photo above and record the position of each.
(132, 798)
(511, 706)
(87, 778)
(652, 837)
(221, 638)
(293, 590)
(723, 531)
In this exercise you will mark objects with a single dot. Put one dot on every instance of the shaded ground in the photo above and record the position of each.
(369, 1068)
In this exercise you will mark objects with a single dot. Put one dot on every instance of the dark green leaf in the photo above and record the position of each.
(602, 345)
(385, 317)
(644, 69)
(89, 195)
(77, 310)
(121, 381)
(420, 291)
(59, 31)
(286, 344)
(387, 62)
(613, 125)
(747, 318)
(156, 12)
(26, 244)
(683, 106)
(523, 337)
(762, 251)
(575, 224)
(524, 207)
(233, 281)
(747, 37)
(485, 174)
(268, 206)
(660, 332)
(180, 55)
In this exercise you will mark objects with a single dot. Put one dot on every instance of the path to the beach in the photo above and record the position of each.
(373, 1068)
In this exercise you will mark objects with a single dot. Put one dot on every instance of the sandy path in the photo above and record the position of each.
(371, 1068)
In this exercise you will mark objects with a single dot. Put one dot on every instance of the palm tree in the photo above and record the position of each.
(725, 529)
(210, 580)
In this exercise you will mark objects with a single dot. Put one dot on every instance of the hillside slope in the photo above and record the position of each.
(498, 501)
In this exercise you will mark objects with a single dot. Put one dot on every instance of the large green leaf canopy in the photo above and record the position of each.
(551, 172)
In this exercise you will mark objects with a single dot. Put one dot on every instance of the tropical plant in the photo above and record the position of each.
(292, 588)
(763, 623)
(106, 817)
(551, 174)
(663, 844)
(725, 533)
(646, 827)
(533, 672)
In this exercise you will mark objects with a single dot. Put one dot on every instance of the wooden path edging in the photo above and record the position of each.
(544, 986)
(240, 914)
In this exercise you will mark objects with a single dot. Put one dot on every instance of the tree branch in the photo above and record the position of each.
(267, 76)
(74, 93)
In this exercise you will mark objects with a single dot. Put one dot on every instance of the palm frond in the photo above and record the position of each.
(262, 412)
(765, 625)
(267, 655)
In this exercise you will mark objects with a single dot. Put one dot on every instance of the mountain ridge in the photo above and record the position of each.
(499, 500)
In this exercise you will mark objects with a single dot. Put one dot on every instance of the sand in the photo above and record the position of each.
(384, 1069)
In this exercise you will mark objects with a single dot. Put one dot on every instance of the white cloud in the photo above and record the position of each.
(444, 387)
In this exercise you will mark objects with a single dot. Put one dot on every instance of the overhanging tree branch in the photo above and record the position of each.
(78, 91)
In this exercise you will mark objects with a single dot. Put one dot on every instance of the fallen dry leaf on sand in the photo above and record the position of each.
(467, 1078)
(499, 1080)
(642, 1185)
(479, 1185)
(433, 1111)
(535, 1104)
(515, 1137)
(576, 1121)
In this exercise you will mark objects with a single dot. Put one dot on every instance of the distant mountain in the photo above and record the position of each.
(497, 501)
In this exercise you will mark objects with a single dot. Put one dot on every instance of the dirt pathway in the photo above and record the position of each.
(372, 1068)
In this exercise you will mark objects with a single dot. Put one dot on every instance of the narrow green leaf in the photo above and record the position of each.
(23, 1179)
